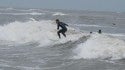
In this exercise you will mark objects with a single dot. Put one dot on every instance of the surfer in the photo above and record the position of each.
(63, 28)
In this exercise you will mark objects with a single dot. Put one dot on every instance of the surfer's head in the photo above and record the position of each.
(100, 31)
(57, 20)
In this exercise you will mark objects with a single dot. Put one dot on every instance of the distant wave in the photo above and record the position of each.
(59, 14)
(8, 9)
(86, 25)
(33, 13)
(119, 35)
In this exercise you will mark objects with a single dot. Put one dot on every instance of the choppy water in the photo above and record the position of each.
(28, 40)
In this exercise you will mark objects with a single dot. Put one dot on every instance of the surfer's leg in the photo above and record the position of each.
(59, 33)
(63, 32)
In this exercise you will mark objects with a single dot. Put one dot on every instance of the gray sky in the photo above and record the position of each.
(94, 5)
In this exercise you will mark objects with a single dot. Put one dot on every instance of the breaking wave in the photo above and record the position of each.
(43, 31)
(102, 47)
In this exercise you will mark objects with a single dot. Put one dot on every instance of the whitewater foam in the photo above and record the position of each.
(43, 31)
(102, 47)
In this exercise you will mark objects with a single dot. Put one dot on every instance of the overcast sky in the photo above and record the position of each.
(94, 5)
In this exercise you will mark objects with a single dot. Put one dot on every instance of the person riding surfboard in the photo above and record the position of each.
(63, 28)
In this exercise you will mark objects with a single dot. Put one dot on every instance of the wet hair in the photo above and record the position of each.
(57, 19)
(100, 31)
(90, 32)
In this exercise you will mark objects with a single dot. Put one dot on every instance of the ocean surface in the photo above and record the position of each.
(29, 41)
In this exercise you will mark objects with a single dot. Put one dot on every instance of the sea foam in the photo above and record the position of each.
(102, 47)
(44, 32)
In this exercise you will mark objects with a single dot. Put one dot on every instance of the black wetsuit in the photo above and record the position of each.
(63, 30)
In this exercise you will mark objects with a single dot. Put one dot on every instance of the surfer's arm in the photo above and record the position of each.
(58, 27)
(66, 24)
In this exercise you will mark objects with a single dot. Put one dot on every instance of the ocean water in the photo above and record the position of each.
(29, 41)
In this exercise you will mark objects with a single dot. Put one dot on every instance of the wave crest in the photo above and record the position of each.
(101, 46)
(43, 31)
